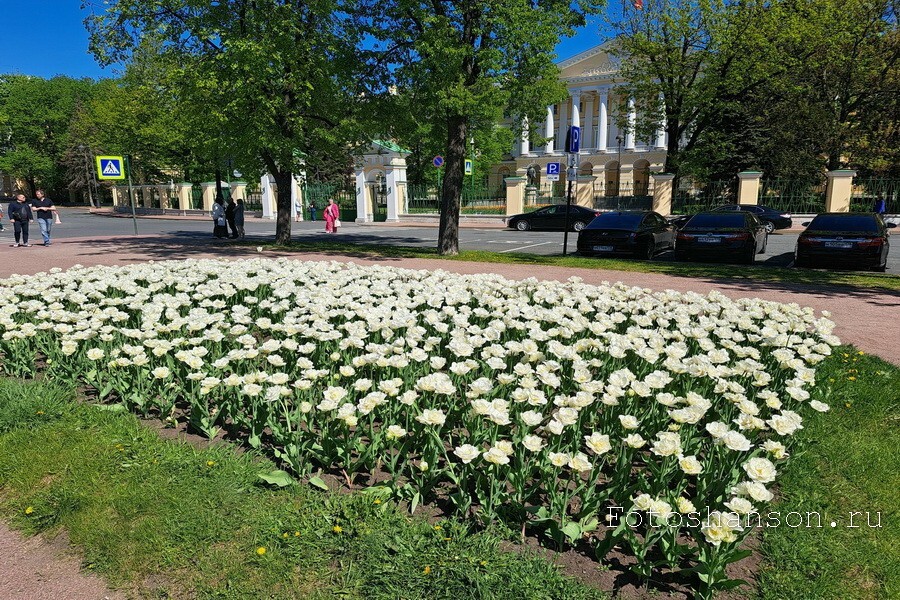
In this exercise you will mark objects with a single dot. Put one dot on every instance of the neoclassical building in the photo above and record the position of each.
(612, 159)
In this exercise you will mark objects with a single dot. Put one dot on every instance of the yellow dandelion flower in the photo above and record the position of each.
(427, 569)
(437, 527)
(210, 463)
(285, 535)
(377, 500)
(261, 550)
(29, 510)
(296, 534)
(337, 529)
(852, 378)
(483, 563)
(40, 412)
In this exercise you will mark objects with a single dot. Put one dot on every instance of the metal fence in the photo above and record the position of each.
(792, 196)
(866, 191)
(342, 192)
(478, 199)
(545, 194)
(623, 195)
(691, 197)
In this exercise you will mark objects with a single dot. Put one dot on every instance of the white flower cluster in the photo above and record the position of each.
(440, 377)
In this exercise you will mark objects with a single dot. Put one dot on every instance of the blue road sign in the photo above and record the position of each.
(573, 140)
(110, 167)
(438, 161)
(553, 170)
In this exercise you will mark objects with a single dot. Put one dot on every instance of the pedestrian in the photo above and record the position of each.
(1, 215)
(312, 211)
(880, 206)
(45, 212)
(20, 214)
(239, 218)
(218, 217)
(332, 216)
(298, 210)
(229, 217)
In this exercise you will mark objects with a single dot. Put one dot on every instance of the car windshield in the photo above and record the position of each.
(854, 223)
(717, 220)
(617, 221)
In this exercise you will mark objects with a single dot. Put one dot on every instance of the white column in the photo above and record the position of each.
(661, 130)
(548, 131)
(562, 125)
(632, 121)
(526, 143)
(393, 176)
(588, 134)
(362, 207)
(268, 197)
(603, 120)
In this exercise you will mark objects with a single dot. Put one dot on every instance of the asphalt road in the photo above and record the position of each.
(79, 223)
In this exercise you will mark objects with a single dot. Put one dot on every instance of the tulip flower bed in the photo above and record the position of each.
(538, 404)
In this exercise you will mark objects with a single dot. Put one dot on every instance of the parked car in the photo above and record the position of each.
(773, 219)
(639, 233)
(553, 217)
(722, 234)
(859, 240)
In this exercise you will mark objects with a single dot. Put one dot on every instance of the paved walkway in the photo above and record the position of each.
(866, 318)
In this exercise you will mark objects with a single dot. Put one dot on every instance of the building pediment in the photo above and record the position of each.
(596, 62)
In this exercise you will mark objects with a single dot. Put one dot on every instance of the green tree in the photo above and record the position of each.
(268, 83)
(37, 114)
(456, 66)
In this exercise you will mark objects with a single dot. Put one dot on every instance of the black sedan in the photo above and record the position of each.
(845, 239)
(553, 217)
(771, 218)
(639, 233)
(722, 235)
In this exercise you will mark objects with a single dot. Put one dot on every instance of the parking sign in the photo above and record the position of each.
(553, 170)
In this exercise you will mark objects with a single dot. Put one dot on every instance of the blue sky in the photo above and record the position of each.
(47, 38)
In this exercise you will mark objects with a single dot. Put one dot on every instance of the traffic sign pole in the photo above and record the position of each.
(130, 193)
(573, 145)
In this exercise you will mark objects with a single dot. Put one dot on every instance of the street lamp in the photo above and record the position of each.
(619, 141)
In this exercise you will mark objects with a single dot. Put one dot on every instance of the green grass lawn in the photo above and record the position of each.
(723, 272)
(851, 463)
(194, 520)
(198, 524)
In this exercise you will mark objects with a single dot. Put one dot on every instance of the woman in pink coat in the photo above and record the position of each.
(332, 214)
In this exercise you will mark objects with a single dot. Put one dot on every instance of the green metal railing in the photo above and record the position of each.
(792, 195)
(343, 193)
(869, 189)
(623, 195)
(478, 199)
(693, 198)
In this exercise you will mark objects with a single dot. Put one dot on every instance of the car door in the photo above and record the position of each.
(665, 232)
(542, 218)
(759, 231)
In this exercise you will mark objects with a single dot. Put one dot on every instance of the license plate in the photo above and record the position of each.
(708, 240)
(838, 244)
(603, 248)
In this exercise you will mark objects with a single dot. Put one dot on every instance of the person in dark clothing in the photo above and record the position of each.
(239, 218)
(20, 214)
(220, 229)
(312, 211)
(880, 206)
(43, 210)
(229, 217)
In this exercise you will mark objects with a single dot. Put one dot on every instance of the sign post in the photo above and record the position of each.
(114, 168)
(131, 195)
(573, 146)
(553, 170)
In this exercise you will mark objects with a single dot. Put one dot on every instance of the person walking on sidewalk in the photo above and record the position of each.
(312, 211)
(220, 229)
(239, 218)
(44, 211)
(332, 216)
(20, 214)
(229, 217)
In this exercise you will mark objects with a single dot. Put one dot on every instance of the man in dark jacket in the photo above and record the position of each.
(20, 214)
(43, 210)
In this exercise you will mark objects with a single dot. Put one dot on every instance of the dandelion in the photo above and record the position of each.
(261, 550)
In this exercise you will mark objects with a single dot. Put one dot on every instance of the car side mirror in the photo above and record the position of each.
(890, 225)
(806, 224)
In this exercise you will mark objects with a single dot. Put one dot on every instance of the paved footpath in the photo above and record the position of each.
(867, 318)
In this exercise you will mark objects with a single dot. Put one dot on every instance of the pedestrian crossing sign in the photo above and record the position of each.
(110, 167)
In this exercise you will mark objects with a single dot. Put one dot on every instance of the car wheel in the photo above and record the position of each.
(880, 269)
(765, 245)
(646, 251)
(523, 226)
(770, 226)
(578, 225)
(751, 257)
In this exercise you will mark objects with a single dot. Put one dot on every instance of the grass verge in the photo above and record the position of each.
(194, 523)
(850, 464)
(720, 272)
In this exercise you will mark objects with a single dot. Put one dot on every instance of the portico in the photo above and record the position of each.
(608, 119)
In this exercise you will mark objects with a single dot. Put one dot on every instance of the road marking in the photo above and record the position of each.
(523, 247)
(507, 241)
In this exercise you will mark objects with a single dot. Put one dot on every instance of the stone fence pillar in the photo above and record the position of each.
(364, 213)
(584, 191)
(839, 190)
(748, 187)
(164, 190)
(209, 195)
(185, 195)
(662, 193)
(515, 195)
(239, 190)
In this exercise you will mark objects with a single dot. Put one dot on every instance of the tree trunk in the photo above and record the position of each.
(284, 206)
(219, 193)
(672, 148)
(454, 165)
